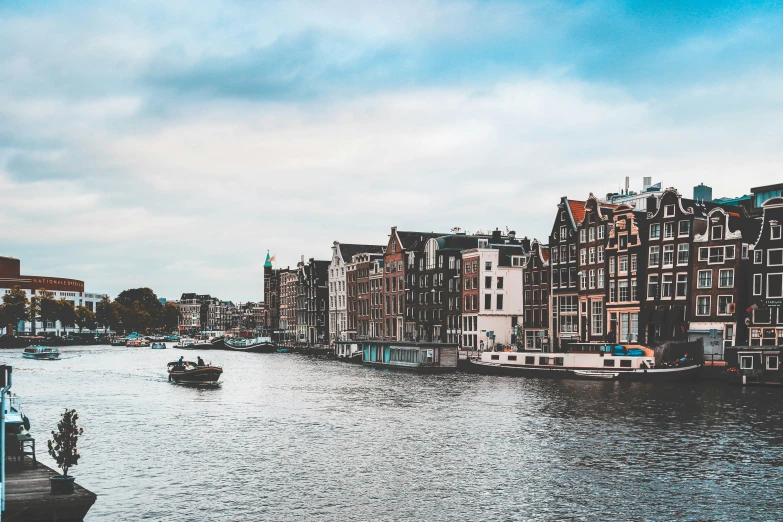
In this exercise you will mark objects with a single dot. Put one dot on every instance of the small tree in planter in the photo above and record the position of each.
(63, 450)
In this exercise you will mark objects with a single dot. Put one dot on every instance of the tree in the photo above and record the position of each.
(106, 314)
(66, 314)
(62, 447)
(170, 316)
(147, 301)
(15, 306)
(47, 307)
(86, 318)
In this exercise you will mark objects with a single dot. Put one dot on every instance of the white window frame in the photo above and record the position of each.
(758, 284)
(600, 254)
(687, 251)
(651, 231)
(649, 285)
(758, 257)
(649, 258)
(769, 263)
(698, 278)
(669, 249)
(671, 286)
(716, 229)
(583, 236)
(767, 292)
(668, 211)
(666, 227)
(600, 231)
(732, 277)
(777, 362)
(772, 229)
(731, 300)
(677, 284)
(744, 360)
(679, 228)
(709, 305)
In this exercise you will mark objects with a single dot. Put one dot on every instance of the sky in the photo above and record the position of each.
(172, 144)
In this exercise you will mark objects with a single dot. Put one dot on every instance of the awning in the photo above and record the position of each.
(676, 314)
(658, 315)
(705, 327)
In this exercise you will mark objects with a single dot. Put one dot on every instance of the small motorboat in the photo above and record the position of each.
(189, 372)
(171, 338)
(45, 353)
(158, 346)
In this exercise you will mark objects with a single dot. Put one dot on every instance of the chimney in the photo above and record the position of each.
(652, 204)
(497, 237)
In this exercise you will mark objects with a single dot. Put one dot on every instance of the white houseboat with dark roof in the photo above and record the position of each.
(418, 357)
(588, 361)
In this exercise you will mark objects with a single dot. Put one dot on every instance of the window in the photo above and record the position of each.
(666, 285)
(597, 317)
(703, 305)
(612, 292)
(592, 234)
(623, 262)
(757, 284)
(775, 257)
(600, 253)
(668, 255)
(572, 253)
(634, 263)
(682, 285)
(600, 282)
(488, 282)
(774, 232)
(746, 362)
(563, 233)
(705, 279)
(500, 283)
(583, 256)
(488, 265)
(668, 230)
(487, 301)
(668, 211)
(582, 236)
(600, 232)
(772, 360)
(623, 287)
(592, 278)
(592, 255)
(652, 286)
(500, 301)
(625, 363)
(729, 252)
(655, 231)
(685, 228)
(774, 285)
(609, 362)
(716, 255)
(655, 255)
(758, 256)
(611, 266)
(704, 254)
(726, 278)
(475, 268)
(623, 242)
(634, 293)
(682, 254)
(724, 302)
(582, 280)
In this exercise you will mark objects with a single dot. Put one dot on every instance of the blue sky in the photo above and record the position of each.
(170, 144)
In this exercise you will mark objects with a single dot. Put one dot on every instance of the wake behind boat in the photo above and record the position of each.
(587, 361)
(189, 372)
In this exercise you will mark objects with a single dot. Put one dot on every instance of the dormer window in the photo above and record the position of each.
(774, 232)
(482, 243)
(717, 232)
(668, 211)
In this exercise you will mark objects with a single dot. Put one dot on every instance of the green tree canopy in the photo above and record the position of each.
(86, 318)
(15, 307)
(106, 314)
(47, 306)
(170, 316)
(140, 310)
(66, 313)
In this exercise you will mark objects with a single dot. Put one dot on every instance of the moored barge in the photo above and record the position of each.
(188, 372)
(411, 356)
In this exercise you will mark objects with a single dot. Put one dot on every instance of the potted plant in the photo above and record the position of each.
(63, 450)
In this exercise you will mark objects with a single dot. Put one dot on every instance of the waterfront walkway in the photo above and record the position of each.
(28, 496)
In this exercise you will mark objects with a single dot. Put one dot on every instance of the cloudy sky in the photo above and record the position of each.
(170, 144)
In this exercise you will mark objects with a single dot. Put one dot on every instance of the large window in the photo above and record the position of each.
(600, 282)
(655, 255)
(703, 305)
(666, 285)
(600, 253)
(682, 285)
(724, 304)
(623, 265)
(774, 285)
(655, 231)
(685, 228)
(487, 301)
(668, 230)
(726, 278)
(634, 293)
(623, 287)
(716, 255)
(612, 292)
(583, 256)
(705, 279)
(500, 301)
(775, 257)
(597, 317)
(652, 286)
(634, 263)
(668, 255)
(611, 266)
(682, 254)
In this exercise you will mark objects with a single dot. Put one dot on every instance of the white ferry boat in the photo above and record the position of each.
(46, 353)
(587, 361)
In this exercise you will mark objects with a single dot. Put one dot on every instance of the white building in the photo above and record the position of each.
(493, 295)
(338, 312)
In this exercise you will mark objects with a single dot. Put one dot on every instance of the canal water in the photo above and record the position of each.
(288, 437)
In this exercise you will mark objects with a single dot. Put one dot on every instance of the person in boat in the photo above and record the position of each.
(200, 361)
(181, 362)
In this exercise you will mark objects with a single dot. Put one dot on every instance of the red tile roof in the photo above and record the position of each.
(577, 210)
(544, 253)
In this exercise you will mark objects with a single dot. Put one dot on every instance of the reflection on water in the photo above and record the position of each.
(287, 437)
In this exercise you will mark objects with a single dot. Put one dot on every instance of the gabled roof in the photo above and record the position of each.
(577, 209)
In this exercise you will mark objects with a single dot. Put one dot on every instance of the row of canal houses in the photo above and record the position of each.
(639, 270)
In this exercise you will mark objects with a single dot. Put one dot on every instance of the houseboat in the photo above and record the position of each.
(348, 351)
(418, 357)
(594, 361)
(256, 345)
(758, 365)
(45, 353)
